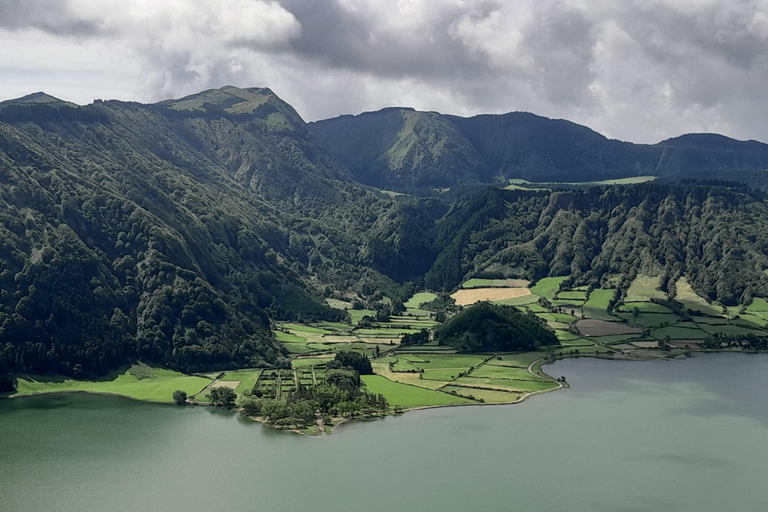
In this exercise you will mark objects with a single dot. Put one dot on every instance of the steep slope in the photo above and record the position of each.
(171, 232)
(401, 148)
(389, 149)
(715, 236)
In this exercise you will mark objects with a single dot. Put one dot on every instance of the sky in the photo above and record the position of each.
(636, 70)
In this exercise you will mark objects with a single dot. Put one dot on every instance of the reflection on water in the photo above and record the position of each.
(658, 435)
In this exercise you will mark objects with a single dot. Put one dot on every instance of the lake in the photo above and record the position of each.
(683, 435)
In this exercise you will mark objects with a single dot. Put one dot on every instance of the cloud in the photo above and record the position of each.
(641, 70)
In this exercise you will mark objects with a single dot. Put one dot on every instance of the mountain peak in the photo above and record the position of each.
(38, 98)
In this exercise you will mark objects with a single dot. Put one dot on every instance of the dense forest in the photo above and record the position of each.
(177, 232)
(490, 327)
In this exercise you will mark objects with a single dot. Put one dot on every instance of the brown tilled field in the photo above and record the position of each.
(593, 327)
(469, 296)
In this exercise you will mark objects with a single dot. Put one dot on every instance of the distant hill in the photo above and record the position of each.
(406, 149)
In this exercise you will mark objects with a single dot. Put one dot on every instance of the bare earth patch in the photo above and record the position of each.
(593, 327)
(231, 384)
(465, 297)
(518, 283)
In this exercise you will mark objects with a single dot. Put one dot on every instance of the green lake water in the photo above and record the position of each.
(684, 435)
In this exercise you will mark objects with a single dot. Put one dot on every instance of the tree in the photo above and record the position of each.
(222, 397)
(180, 397)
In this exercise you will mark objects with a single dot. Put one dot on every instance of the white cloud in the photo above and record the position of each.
(641, 70)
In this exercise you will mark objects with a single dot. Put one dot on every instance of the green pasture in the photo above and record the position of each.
(758, 305)
(517, 301)
(694, 301)
(406, 395)
(157, 388)
(547, 286)
(310, 361)
(650, 319)
(338, 304)
(517, 385)
(644, 307)
(492, 371)
(572, 294)
(556, 317)
(357, 314)
(449, 360)
(565, 335)
(483, 283)
(589, 350)
(643, 288)
(419, 299)
(599, 299)
(247, 379)
(754, 319)
(522, 359)
(732, 330)
(287, 337)
(567, 304)
(306, 328)
(614, 338)
(487, 395)
(441, 373)
(298, 348)
(682, 331)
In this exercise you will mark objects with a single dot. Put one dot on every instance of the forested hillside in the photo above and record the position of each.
(177, 232)
(714, 235)
(404, 149)
(169, 232)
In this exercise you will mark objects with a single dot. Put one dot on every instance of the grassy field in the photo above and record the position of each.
(487, 395)
(518, 301)
(693, 301)
(572, 294)
(599, 299)
(247, 379)
(357, 314)
(547, 286)
(480, 283)
(682, 331)
(156, 388)
(287, 337)
(517, 385)
(758, 306)
(420, 298)
(405, 395)
(465, 297)
(306, 328)
(643, 288)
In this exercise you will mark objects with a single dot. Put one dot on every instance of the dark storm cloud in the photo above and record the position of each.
(641, 70)
(50, 16)
(357, 38)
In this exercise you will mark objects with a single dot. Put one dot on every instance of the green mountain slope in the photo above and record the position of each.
(714, 236)
(388, 149)
(170, 232)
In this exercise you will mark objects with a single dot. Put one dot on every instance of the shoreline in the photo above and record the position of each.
(541, 362)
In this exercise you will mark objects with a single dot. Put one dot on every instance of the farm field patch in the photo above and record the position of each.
(643, 288)
(547, 286)
(465, 297)
(487, 395)
(406, 395)
(157, 388)
(594, 327)
(420, 298)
